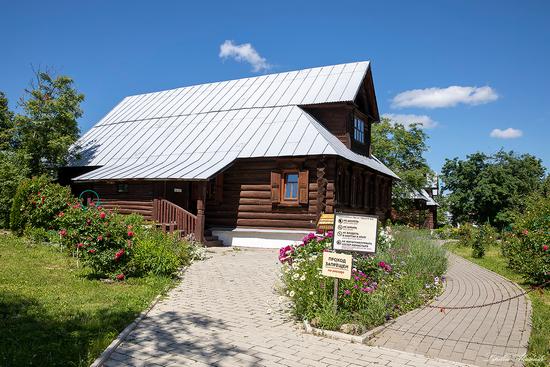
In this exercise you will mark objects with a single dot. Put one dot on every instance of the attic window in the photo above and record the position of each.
(359, 130)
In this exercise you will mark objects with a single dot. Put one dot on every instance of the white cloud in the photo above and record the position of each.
(509, 133)
(444, 97)
(244, 52)
(424, 121)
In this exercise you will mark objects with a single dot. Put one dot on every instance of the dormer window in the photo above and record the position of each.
(359, 130)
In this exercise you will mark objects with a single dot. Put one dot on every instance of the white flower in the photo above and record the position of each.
(311, 293)
(295, 276)
(291, 294)
(303, 277)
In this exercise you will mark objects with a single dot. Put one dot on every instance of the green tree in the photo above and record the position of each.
(6, 124)
(11, 173)
(489, 188)
(402, 149)
(49, 125)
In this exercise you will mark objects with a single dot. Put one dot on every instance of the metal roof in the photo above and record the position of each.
(423, 195)
(195, 132)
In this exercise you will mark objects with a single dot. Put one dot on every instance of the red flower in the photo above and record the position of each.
(80, 245)
(63, 232)
(119, 254)
(61, 214)
(544, 247)
(382, 264)
(100, 238)
(120, 276)
(130, 234)
(91, 251)
(102, 215)
(525, 232)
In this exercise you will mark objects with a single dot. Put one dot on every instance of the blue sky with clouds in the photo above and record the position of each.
(475, 73)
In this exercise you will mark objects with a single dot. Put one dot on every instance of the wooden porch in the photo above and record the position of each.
(170, 217)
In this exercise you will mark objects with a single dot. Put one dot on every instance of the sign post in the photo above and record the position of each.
(352, 232)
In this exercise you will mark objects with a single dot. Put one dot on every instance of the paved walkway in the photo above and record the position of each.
(488, 336)
(226, 313)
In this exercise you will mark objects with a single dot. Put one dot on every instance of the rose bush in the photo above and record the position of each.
(526, 245)
(110, 244)
(403, 274)
(37, 201)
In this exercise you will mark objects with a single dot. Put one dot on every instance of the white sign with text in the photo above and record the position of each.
(353, 232)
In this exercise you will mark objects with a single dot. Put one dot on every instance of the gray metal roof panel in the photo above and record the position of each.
(193, 132)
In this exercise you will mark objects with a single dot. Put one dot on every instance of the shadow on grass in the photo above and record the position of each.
(31, 336)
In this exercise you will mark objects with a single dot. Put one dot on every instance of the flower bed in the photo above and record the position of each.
(405, 273)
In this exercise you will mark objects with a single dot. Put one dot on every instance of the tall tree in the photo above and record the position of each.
(488, 188)
(49, 124)
(6, 124)
(401, 149)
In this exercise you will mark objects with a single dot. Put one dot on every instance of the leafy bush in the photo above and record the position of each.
(39, 235)
(37, 202)
(102, 239)
(155, 252)
(400, 277)
(477, 238)
(11, 174)
(446, 232)
(110, 244)
(527, 245)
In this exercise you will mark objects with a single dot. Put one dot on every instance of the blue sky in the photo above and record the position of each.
(117, 48)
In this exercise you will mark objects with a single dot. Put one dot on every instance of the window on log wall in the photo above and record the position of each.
(214, 191)
(290, 188)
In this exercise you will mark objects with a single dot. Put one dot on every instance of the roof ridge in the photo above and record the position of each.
(249, 77)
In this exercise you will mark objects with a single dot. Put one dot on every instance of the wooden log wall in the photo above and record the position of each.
(362, 190)
(247, 198)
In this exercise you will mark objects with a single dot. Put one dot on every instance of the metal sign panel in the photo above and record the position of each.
(355, 232)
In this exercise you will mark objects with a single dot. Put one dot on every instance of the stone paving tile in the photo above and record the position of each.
(226, 312)
(487, 336)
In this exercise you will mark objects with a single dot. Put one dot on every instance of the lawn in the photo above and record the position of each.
(539, 342)
(52, 313)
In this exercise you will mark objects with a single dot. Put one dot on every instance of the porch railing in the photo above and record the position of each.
(173, 217)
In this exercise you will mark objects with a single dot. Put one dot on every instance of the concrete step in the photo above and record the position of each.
(216, 243)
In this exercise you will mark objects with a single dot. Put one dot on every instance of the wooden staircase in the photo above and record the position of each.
(168, 216)
(172, 218)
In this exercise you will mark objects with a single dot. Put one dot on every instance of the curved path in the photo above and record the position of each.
(494, 335)
(226, 312)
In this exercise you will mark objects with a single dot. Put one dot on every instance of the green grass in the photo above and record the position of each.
(539, 342)
(53, 314)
